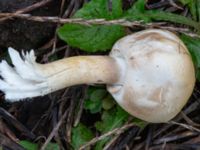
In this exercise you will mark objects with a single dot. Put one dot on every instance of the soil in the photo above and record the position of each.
(24, 34)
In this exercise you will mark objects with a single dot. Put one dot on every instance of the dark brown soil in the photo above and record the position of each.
(23, 34)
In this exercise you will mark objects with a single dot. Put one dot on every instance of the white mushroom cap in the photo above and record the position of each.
(157, 75)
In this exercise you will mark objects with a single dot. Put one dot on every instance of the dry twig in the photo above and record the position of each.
(19, 126)
(54, 131)
(27, 9)
(122, 22)
(189, 127)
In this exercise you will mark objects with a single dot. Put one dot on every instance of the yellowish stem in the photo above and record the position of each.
(80, 70)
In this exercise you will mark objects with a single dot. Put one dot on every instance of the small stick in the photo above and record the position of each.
(101, 21)
(116, 131)
(189, 127)
(9, 118)
(28, 9)
(54, 131)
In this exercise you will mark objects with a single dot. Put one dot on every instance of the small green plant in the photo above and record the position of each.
(80, 135)
(94, 101)
(110, 120)
(95, 38)
(112, 116)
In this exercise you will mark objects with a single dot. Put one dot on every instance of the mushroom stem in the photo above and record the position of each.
(80, 70)
(31, 79)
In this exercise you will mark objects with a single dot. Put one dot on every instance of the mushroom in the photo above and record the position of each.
(149, 73)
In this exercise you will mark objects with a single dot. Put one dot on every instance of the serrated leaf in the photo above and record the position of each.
(94, 103)
(80, 135)
(137, 12)
(108, 9)
(138, 6)
(110, 120)
(97, 37)
(90, 39)
(93, 9)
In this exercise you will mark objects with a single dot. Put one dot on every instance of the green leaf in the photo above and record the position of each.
(193, 45)
(108, 102)
(94, 103)
(98, 94)
(192, 4)
(166, 16)
(117, 11)
(97, 37)
(138, 6)
(94, 107)
(193, 9)
(198, 10)
(93, 9)
(111, 9)
(185, 2)
(33, 146)
(29, 145)
(137, 12)
(52, 146)
(91, 39)
(80, 135)
(111, 119)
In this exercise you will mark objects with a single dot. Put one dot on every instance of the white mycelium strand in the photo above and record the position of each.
(22, 81)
